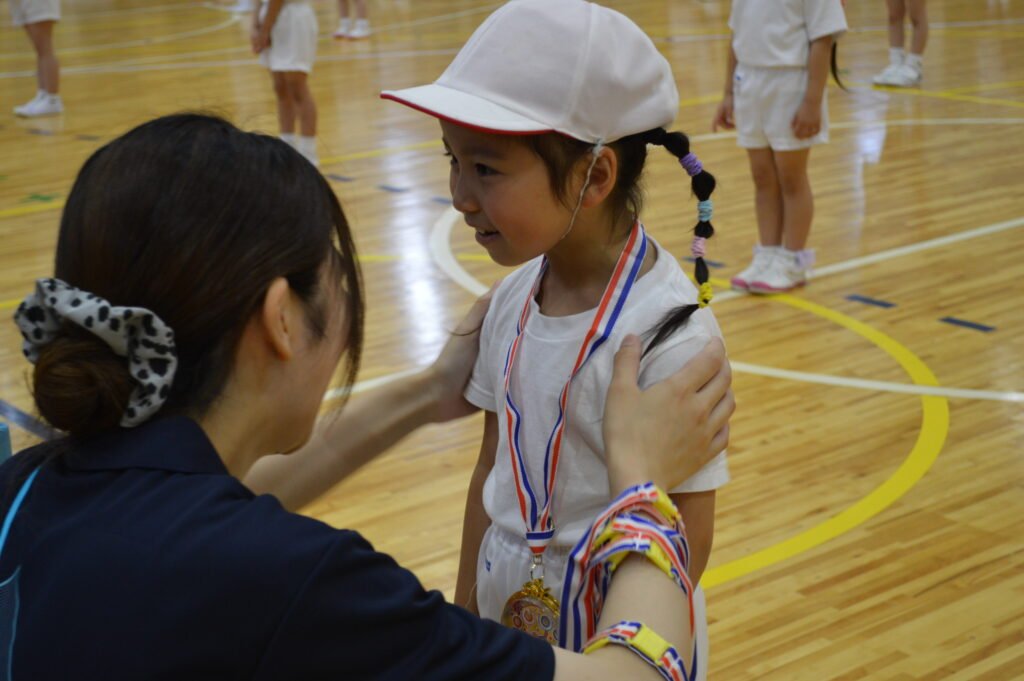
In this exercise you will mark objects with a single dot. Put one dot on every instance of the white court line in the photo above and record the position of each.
(134, 67)
(887, 386)
(711, 37)
(440, 251)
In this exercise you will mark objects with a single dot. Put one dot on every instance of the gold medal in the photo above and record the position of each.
(534, 610)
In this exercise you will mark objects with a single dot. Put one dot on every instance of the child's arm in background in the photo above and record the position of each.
(476, 522)
(807, 121)
(724, 115)
(698, 512)
(261, 29)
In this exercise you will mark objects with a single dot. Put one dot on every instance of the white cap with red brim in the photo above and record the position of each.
(567, 66)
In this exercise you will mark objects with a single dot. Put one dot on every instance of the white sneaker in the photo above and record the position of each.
(45, 105)
(762, 256)
(22, 107)
(887, 75)
(344, 26)
(786, 271)
(361, 30)
(241, 7)
(903, 75)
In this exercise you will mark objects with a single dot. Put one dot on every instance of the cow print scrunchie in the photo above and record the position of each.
(132, 332)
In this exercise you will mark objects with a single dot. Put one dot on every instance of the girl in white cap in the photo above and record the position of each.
(546, 114)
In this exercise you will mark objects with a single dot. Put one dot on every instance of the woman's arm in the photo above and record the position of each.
(374, 421)
(476, 521)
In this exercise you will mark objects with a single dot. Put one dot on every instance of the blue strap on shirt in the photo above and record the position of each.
(9, 588)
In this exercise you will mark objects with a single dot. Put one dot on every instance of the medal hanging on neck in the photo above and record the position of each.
(533, 609)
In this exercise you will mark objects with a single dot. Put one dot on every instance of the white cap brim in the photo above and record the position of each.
(466, 110)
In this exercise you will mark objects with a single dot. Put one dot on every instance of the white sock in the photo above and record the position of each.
(914, 61)
(307, 147)
(291, 138)
(362, 23)
(896, 55)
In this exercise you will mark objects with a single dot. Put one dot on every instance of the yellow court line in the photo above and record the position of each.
(30, 208)
(953, 97)
(979, 87)
(930, 440)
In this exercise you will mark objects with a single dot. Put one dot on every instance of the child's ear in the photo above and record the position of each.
(602, 177)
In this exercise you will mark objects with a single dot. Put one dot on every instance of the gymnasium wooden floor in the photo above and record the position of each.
(873, 527)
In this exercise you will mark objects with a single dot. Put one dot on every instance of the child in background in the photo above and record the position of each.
(547, 134)
(775, 98)
(38, 17)
(349, 29)
(284, 35)
(905, 70)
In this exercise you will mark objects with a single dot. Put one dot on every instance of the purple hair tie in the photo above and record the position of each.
(698, 247)
(692, 164)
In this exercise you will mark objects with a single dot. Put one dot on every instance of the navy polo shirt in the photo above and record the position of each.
(142, 558)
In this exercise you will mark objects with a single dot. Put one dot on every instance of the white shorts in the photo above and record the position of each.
(293, 38)
(25, 12)
(503, 566)
(765, 101)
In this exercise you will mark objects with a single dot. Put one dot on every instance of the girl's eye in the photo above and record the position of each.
(451, 158)
(484, 171)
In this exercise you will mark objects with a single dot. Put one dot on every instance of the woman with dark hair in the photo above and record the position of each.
(206, 287)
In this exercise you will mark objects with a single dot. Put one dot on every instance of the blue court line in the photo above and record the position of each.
(340, 178)
(393, 189)
(26, 421)
(443, 200)
(713, 264)
(968, 325)
(37, 131)
(870, 301)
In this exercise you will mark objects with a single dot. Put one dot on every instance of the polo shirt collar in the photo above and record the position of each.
(175, 444)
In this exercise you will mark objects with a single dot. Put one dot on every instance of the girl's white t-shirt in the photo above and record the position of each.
(548, 352)
(778, 33)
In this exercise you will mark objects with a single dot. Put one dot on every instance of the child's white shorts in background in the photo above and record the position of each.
(293, 38)
(764, 103)
(25, 12)
(503, 566)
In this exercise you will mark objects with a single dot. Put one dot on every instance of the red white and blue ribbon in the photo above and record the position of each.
(669, 664)
(591, 563)
(536, 510)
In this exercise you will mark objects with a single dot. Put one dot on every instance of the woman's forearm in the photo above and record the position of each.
(343, 441)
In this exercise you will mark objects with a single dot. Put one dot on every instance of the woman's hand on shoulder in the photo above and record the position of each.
(667, 432)
(450, 372)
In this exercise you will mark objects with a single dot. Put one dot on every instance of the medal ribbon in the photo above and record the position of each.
(616, 531)
(537, 517)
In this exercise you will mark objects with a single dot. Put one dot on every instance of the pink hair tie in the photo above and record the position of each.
(698, 247)
(691, 164)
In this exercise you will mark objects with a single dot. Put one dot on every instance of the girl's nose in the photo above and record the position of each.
(463, 198)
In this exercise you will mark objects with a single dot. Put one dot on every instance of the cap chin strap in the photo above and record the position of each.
(595, 152)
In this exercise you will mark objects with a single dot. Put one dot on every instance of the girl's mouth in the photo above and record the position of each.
(484, 236)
